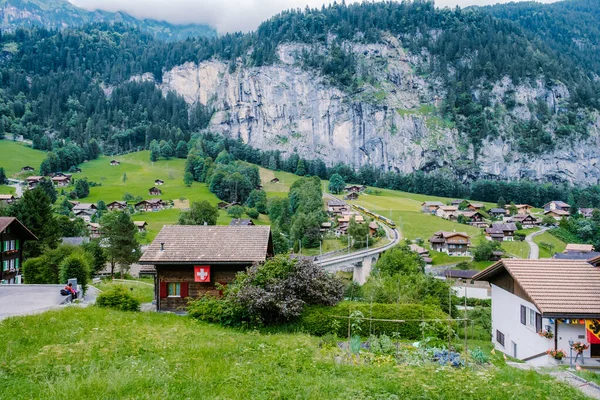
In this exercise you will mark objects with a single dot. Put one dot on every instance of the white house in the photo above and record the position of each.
(531, 296)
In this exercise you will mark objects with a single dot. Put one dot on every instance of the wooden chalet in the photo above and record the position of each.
(351, 196)
(154, 191)
(447, 212)
(274, 180)
(557, 205)
(13, 235)
(355, 188)
(150, 205)
(27, 168)
(586, 212)
(116, 205)
(457, 202)
(497, 212)
(475, 218)
(527, 220)
(32, 181)
(523, 208)
(191, 260)
(373, 227)
(61, 181)
(223, 205)
(7, 198)
(241, 222)
(431, 207)
(94, 230)
(159, 182)
(325, 226)
(501, 232)
(475, 206)
(557, 214)
(337, 207)
(451, 243)
(140, 225)
(115, 162)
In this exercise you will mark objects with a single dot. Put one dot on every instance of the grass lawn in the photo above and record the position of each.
(481, 265)
(517, 248)
(141, 289)
(109, 355)
(329, 244)
(16, 155)
(4, 189)
(558, 245)
(405, 210)
(281, 189)
(439, 259)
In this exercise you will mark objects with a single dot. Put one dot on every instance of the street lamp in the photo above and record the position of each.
(571, 341)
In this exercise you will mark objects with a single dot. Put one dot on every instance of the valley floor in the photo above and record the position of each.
(97, 354)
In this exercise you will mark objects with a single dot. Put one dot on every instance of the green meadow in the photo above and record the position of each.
(15, 155)
(558, 246)
(102, 354)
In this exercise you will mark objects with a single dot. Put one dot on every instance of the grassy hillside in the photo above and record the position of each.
(517, 248)
(546, 237)
(107, 354)
(15, 156)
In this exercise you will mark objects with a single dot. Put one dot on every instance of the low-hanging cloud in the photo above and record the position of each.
(227, 15)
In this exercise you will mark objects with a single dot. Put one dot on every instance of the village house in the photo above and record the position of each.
(540, 305)
(140, 225)
(150, 205)
(27, 168)
(61, 181)
(430, 207)
(159, 182)
(475, 206)
(447, 212)
(154, 191)
(32, 181)
(191, 260)
(577, 252)
(325, 226)
(94, 230)
(115, 162)
(274, 180)
(557, 214)
(355, 188)
(421, 251)
(13, 235)
(241, 222)
(351, 196)
(474, 218)
(344, 222)
(84, 211)
(116, 205)
(451, 243)
(373, 227)
(557, 205)
(457, 202)
(7, 198)
(586, 212)
(337, 207)
(497, 212)
(523, 208)
(527, 220)
(501, 232)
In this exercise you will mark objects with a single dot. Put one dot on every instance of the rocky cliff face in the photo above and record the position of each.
(391, 124)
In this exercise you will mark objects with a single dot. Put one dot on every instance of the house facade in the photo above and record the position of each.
(431, 207)
(7, 198)
(13, 235)
(191, 260)
(451, 243)
(523, 208)
(557, 205)
(116, 205)
(154, 191)
(557, 214)
(140, 225)
(475, 218)
(501, 232)
(527, 220)
(531, 297)
(447, 212)
(150, 205)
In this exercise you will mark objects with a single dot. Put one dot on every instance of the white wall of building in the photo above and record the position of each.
(576, 332)
(471, 292)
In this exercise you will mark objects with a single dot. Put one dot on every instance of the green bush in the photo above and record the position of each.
(118, 298)
(252, 213)
(321, 320)
(75, 266)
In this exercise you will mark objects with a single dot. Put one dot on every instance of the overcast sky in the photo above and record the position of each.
(227, 15)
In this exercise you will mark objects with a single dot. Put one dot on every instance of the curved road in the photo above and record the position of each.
(534, 249)
(393, 234)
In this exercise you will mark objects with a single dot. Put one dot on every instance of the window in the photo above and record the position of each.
(174, 289)
(531, 319)
(524, 315)
(500, 337)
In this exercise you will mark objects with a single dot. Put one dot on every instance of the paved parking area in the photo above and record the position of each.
(18, 300)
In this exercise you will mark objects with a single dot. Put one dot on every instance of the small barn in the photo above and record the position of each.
(140, 225)
(154, 191)
(275, 180)
(116, 205)
(27, 168)
(115, 162)
(159, 182)
(191, 260)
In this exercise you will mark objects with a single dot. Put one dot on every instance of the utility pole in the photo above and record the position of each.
(300, 243)
(367, 241)
(466, 327)
(348, 243)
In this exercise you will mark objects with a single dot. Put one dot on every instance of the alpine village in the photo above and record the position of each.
(395, 199)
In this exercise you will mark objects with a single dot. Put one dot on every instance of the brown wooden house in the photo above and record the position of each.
(7, 198)
(13, 235)
(150, 205)
(154, 191)
(116, 205)
(191, 260)
(451, 243)
(27, 168)
(351, 196)
(223, 205)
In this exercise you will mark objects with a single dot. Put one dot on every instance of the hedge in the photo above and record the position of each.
(319, 320)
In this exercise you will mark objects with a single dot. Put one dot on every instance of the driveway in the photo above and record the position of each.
(534, 250)
(16, 300)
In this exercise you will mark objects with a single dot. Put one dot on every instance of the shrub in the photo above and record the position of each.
(118, 298)
(319, 320)
(252, 213)
(75, 266)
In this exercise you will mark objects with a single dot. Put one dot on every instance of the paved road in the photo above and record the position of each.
(534, 249)
(28, 299)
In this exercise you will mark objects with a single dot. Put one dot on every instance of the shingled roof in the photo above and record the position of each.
(184, 244)
(26, 233)
(556, 287)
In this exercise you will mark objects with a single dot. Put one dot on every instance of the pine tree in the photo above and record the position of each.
(3, 180)
(122, 246)
(48, 187)
(301, 168)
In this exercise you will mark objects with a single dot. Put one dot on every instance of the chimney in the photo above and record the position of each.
(162, 247)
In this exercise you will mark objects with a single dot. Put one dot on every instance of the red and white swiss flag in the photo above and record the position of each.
(201, 273)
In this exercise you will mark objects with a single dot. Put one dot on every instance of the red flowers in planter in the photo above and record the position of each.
(580, 347)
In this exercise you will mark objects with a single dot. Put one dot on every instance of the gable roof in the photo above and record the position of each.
(498, 210)
(7, 197)
(557, 212)
(26, 233)
(556, 287)
(448, 208)
(501, 228)
(432, 203)
(476, 205)
(579, 247)
(523, 206)
(84, 207)
(336, 203)
(187, 244)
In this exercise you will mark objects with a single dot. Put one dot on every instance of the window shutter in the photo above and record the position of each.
(523, 315)
(163, 290)
(538, 322)
(183, 290)
(17, 244)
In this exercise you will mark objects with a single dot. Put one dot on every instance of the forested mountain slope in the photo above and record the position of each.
(400, 86)
(58, 14)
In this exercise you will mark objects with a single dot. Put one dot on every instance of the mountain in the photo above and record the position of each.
(59, 14)
(401, 87)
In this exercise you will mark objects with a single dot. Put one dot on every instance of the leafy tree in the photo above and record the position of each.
(118, 232)
(483, 251)
(200, 213)
(71, 227)
(101, 206)
(188, 179)
(400, 260)
(3, 180)
(82, 188)
(281, 244)
(548, 220)
(98, 256)
(154, 151)
(336, 184)
(235, 211)
(75, 266)
(181, 151)
(258, 199)
(501, 202)
(252, 213)
(358, 233)
(124, 179)
(166, 150)
(47, 186)
(512, 209)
